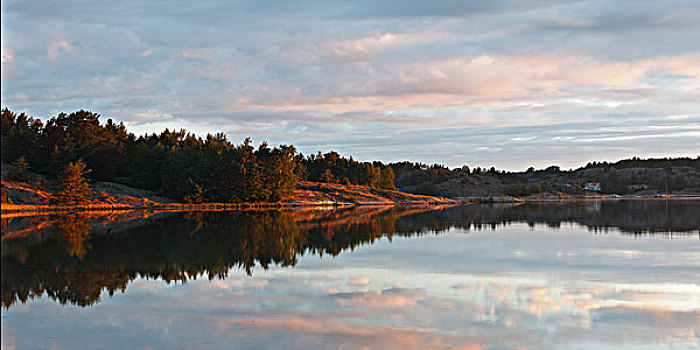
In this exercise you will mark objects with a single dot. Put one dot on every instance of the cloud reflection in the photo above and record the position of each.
(351, 301)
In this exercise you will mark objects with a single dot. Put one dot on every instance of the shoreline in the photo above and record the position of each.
(109, 196)
(56, 209)
(592, 199)
(8, 209)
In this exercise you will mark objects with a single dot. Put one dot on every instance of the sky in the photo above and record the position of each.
(502, 83)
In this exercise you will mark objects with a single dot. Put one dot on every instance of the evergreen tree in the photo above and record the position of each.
(387, 179)
(72, 187)
(4, 198)
(251, 180)
(19, 172)
(197, 195)
(327, 176)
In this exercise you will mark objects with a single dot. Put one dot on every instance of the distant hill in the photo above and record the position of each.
(677, 176)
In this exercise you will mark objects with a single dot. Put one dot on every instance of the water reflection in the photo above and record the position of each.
(70, 265)
(73, 258)
(578, 275)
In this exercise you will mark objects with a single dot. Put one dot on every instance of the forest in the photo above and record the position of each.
(176, 164)
(71, 149)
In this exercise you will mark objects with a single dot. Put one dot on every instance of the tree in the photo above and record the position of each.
(19, 172)
(19, 135)
(197, 195)
(72, 187)
(327, 176)
(73, 233)
(4, 198)
(387, 179)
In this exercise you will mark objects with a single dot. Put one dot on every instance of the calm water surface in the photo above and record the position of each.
(550, 276)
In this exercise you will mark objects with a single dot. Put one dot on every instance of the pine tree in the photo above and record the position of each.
(19, 172)
(72, 187)
(327, 176)
(387, 179)
(197, 195)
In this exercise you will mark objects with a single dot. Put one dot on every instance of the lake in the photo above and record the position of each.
(585, 275)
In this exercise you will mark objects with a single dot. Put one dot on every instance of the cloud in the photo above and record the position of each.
(365, 47)
(57, 48)
(389, 298)
(348, 335)
(337, 75)
(687, 65)
(359, 281)
(7, 56)
(506, 77)
(196, 53)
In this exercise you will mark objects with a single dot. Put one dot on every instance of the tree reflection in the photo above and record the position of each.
(74, 258)
(72, 233)
(74, 266)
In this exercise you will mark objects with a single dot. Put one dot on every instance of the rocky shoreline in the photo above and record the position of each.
(23, 197)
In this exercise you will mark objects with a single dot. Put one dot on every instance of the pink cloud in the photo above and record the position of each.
(8, 67)
(684, 65)
(196, 53)
(7, 56)
(56, 48)
(391, 298)
(349, 335)
(364, 46)
(488, 76)
(482, 80)
(359, 281)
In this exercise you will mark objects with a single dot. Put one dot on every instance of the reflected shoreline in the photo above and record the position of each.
(74, 258)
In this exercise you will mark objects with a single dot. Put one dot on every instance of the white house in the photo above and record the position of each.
(592, 186)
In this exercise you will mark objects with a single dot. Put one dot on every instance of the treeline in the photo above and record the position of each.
(520, 189)
(636, 162)
(332, 167)
(420, 178)
(660, 174)
(617, 181)
(182, 166)
(176, 164)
